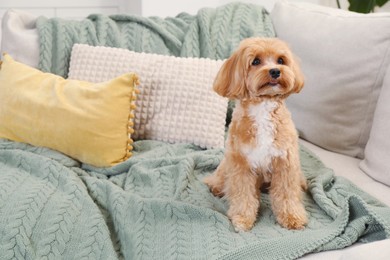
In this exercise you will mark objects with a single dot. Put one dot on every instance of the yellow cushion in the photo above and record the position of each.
(91, 122)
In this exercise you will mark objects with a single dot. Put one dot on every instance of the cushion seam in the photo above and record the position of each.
(373, 99)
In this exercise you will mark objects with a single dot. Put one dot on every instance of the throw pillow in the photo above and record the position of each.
(344, 56)
(89, 122)
(176, 101)
(377, 155)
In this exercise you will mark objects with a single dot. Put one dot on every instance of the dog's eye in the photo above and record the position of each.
(280, 61)
(256, 62)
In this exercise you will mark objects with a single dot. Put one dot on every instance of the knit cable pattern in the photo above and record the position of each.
(154, 206)
(211, 33)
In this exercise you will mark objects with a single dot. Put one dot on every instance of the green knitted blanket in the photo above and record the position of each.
(155, 206)
(212, 33)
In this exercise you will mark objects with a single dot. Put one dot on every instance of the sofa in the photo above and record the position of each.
(122, 125)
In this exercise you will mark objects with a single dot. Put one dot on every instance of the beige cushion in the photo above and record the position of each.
(344, 56)
(377, 153)
(176, 103)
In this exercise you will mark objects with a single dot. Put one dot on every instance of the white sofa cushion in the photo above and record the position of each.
(348, 167)
(378, 250)
(176, 103)
(377, 153)
(344, 56)
(20, 37)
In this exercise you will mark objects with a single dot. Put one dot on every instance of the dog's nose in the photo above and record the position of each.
(275, 73)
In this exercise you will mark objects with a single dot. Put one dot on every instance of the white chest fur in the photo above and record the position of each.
(260, 155)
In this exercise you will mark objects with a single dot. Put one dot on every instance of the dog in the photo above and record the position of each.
(262, 142)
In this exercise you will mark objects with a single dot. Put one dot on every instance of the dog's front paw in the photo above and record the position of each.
(295, 219)
(214, 185)
(242, 223)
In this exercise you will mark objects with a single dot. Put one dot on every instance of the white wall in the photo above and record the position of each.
(165, 8)
(81, 8)
(69, 8)
(172, 7)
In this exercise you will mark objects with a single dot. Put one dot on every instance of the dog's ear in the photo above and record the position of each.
(230, 80)
(299, 78)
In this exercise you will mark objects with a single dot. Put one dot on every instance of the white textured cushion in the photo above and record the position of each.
(176, 103)
(344, 56)
(20, 37)
(377, 154)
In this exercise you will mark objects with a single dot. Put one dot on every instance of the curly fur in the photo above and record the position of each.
(262, 144)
